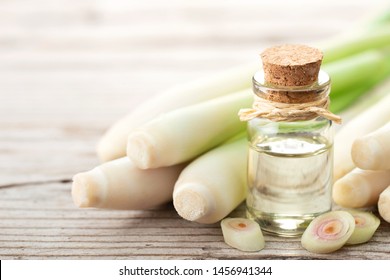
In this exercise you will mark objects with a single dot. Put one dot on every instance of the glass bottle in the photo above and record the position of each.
(290, 163)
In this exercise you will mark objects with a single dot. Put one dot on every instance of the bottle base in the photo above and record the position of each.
(282, 225)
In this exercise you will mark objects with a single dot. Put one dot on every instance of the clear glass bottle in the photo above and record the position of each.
(290, 164)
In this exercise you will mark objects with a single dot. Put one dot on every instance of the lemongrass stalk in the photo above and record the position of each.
(352, 76)
(360, 71)
(350, 97)
(360, 188)
(372, 151)
(213, 185)
(355, 42)
(384, 204)
(119, 184)
(183, 134)
(368, 121)
(113, 143)
(356, 107)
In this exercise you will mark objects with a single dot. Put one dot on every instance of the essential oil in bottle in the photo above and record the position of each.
(290, 157)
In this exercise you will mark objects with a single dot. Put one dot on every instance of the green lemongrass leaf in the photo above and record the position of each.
(356, 75)
(340, 103)
(364, 39)
(368, 67)
(367, 100)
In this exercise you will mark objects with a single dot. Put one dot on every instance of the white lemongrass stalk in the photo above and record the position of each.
(372, 151)
(384, 204)
(113, 143)
(119, 184)
(213, 185)
(183, 134)
(369, 120)
(360, 188)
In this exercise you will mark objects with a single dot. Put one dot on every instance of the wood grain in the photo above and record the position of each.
(69, 68)
(36, 226)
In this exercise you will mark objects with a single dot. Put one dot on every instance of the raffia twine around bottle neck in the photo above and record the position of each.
(277, 111)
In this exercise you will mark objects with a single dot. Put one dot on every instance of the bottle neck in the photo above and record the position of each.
(292, 95)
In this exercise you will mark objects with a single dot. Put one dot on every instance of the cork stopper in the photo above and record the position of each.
(291, 65)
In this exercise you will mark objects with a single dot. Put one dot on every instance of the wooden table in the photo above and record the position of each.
(71, 68)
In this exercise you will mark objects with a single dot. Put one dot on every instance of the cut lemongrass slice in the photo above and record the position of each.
(328, 232)
(366, 224)
(242, 234)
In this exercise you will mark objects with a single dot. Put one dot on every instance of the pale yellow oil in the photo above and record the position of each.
(289, 182)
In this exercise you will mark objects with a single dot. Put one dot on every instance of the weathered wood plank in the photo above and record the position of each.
(40, 232)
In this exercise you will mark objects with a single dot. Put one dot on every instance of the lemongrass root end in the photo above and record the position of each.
(193, 202)
(141, 150)
(86, 190)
